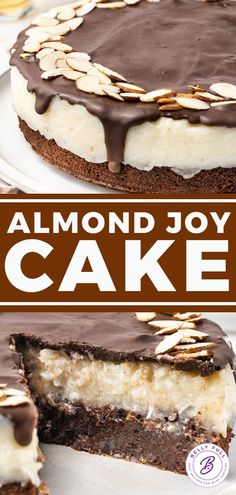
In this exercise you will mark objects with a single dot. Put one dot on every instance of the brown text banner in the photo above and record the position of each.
(117, 252)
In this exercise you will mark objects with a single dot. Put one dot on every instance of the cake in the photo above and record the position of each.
(147, 388)
(134, 95)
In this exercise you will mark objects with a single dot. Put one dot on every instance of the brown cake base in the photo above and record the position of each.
(129, 179)
(121, 434)
(18, 489)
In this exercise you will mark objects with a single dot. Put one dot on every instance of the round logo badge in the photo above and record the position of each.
(207, 465)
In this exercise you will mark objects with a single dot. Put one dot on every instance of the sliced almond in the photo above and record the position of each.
(10, 392)
(187, 340)
(89, 84)
(73, 24)
(25, 56)
(224, 89)
(45, 21)
(60, 30)
(80, 56)
(191, 333)
(110, 73)
(66, 14)
(61, 63)
(33, 30)
(72, 75)
(182, 356)
(145, 316)
(45, 51)
(39, 37)
(169, 323)
(51, 74)
(185, 95)
(79, 64)
(111, 5)
(167, 331)
(196, 87)
(110, 90)
(85, 9)
(192, 103)
(102, 77)
(32, 47)
(166, 101)
(229, 102)
(187, 316)
(131, 2)
(3, 385)
(206, 96)
(168, 343)
(48, 62)
(130, 88)
(170, 107)
(14, 401)
(57, 45)
(157, 93)
(200, 346)
(130, 96)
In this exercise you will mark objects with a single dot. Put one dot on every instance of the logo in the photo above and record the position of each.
(207, 465)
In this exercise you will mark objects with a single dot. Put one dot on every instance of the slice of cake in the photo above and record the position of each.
(145, 388)
(135, 95)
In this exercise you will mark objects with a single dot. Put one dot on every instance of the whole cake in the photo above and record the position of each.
(135, 95)
(147, 388)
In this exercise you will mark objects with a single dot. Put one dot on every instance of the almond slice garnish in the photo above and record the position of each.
(3, 385)
(186, 316)
(102, 77)
(60, 30)
(66, 14)
(111, 5)
(72, 75)
(166, 101)
(25, 56)
(169, 330)
(39, 37)
(158, 93)
(168, 343)
(73, 24)
(170, 107)
(206, 96)
(14, 401)
(45, 51)
(85, 9)
(89, 84)
(57, 45)
(130, 96)
(109, 91)
(80, 65)
(51, 74)
(192, 103)
(32, 47)
(48, 62)
(170, 323)
(10, 392)
(145, 316)
(80, 56)
(62, 64)
(200, 346)
(224, 89)
(196, 334)
(132, 2)
(110, 73)
(130, 88)
(42, 21)
(196, 87)
(187, 340)
(33, 30)
(193, 355)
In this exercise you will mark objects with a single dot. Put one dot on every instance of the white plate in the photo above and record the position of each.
(68, 472)
(21, 167)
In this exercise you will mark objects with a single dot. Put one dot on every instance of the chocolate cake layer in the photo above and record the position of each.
(119, 433)
(158, 180)
(18, 489)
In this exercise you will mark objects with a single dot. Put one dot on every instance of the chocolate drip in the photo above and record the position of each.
(170, 44)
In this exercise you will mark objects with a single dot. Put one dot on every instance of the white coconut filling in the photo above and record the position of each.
(146, 388)
(166, 142)
(18, 464)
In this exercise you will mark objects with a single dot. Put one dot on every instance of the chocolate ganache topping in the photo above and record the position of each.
(105, 336)
(170, 44)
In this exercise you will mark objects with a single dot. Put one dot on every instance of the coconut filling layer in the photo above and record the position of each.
(176, 144)
(18, 464)
(145, 388)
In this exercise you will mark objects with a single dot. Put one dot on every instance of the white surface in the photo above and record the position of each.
(68, 472)
(24, 169)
